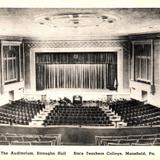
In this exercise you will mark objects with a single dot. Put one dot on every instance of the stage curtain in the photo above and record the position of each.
(76, 70)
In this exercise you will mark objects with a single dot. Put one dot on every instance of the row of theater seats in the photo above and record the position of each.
(14, 139)
(84, 102)
(135, 113)
(93, 103)
(134, 140)
(77, 115)
(20, 112)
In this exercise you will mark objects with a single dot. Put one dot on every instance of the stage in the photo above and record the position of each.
(87, 94)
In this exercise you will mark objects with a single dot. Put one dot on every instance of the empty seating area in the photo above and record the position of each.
(135, 113)
(14, 139)
(77, 115)
(20, 112)
(130, 140)
(89, 113)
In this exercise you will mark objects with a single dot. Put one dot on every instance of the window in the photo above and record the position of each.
(142, 62)
(11, 62)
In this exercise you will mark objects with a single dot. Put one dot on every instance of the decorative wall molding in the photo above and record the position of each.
(75, 44)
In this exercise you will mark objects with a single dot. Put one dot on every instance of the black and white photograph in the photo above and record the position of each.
(80, 77)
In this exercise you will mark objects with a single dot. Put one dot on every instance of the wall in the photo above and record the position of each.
(137, 87)
(154, 99)
(12, 91)
(75, 45)
(16, 88)
(105, 44)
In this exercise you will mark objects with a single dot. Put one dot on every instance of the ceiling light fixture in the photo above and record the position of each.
(74, 19)
(47, 18)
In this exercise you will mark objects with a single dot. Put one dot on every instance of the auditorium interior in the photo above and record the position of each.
(80, 76)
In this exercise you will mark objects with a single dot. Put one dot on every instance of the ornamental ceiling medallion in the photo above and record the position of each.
(75, 19)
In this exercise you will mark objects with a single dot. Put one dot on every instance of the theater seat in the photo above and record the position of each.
(43, 143)
(20, 143)
(4, 143)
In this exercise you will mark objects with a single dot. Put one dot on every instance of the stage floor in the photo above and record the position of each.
(87, 94)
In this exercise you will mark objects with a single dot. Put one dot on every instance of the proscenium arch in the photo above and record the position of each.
(118, 50)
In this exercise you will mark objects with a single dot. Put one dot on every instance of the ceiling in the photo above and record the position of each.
(78, 22)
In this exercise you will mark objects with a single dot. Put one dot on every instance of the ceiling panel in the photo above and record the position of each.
(74, 22)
